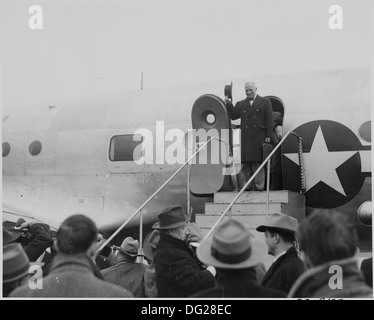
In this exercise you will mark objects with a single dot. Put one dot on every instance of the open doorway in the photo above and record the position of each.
(276, 180)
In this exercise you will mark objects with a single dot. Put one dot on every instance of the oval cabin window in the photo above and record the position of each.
(35, 148)
(6, 149)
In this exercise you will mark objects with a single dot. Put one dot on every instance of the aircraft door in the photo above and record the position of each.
(276, 176)
(210, 119)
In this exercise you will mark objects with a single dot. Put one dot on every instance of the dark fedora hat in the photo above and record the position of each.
(16, 264)
(10, 236)
(129, 247)
(20, 221)
(228, 91)
(231, 247)
(150, 243)
(170, 218)
(280, 221)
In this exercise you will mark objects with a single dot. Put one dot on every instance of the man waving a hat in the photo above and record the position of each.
(280, 238)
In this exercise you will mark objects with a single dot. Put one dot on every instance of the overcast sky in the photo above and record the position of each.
(90, 47)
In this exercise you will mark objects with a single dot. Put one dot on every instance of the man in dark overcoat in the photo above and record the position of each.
(178, 272)
(34, 236)
(256, 126)
(126, 272)
(280, 239)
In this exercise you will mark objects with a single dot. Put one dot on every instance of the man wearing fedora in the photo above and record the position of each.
(126, 272)
(73, 273)
(16, 267)
(178, 272)
(280, 239)
(34, 236)
(234, 253)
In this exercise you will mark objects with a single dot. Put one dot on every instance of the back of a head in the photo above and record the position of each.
(327, 235)
(76, 234)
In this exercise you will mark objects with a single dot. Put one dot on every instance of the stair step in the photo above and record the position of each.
(246, 208)
(258, 197)
(206, 221)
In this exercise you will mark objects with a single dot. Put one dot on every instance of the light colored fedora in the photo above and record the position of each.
(170, 218)
(231, 247)
(280, 221)
(129, 247)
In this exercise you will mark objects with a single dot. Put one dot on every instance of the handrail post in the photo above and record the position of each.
(268, 191)
(188, 188)
(140, 249)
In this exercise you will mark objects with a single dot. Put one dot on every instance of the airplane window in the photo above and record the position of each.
(123, 148)
(35, 148)
(211, 118)
(365, 131)
(6, 149)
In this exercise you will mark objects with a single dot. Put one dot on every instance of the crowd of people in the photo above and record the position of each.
(179, 262)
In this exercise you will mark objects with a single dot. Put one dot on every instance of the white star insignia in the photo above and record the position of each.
(320, 165)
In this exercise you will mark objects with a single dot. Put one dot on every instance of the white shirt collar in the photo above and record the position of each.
(251, 101)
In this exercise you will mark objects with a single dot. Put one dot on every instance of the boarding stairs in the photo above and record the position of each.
(251, 208)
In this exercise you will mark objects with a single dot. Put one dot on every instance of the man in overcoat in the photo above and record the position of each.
(126, 272)
(35, 237)
(178, 271)
(256, 126)
(280, 239)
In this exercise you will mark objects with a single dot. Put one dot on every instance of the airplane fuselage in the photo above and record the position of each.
(76, 170)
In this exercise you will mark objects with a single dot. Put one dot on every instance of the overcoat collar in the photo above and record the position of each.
(251, 108)
(290, 252)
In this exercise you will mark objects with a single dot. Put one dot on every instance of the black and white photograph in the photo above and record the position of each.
(183, 155)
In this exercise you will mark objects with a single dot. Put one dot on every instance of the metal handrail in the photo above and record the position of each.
(155, 194)
(248, 183)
